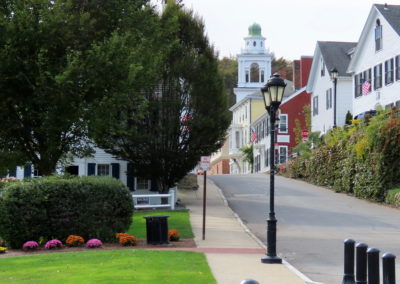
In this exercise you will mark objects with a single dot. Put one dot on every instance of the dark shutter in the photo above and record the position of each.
(12, 172)
(153, 185)
(28, 170)
(130, 177)
(115, 170)
(91, 169)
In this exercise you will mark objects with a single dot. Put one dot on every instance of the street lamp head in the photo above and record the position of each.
(273, 91)
(334, 73)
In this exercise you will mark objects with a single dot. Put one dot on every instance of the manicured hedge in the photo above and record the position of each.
(54, 207)
(362, 159)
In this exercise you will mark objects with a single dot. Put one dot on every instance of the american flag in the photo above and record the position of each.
(253, 135)
(366, 87)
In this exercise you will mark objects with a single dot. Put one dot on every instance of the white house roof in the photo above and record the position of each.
(391, 13)
(334, 54)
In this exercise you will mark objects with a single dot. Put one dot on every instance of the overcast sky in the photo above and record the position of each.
(291, 27)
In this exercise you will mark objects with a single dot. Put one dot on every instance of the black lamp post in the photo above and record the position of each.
(273, 94)
(334, 76)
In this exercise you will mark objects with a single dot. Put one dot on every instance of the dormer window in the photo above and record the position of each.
(378, 35)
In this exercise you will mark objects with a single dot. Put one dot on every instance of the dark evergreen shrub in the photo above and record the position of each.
(53, 208)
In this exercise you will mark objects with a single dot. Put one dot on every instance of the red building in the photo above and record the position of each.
(292, 114)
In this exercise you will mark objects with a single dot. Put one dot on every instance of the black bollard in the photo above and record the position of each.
(373, 266)
(361, 263)
(249, 281)
(348, 277)
(388, 266)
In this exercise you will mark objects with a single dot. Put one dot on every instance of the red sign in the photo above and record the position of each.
(304, 133)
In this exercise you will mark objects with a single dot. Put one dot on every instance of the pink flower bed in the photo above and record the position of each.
(30, 245)
(94, 243)
(53, 244)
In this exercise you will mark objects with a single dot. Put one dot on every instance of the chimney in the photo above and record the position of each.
(305, 67)
(296, 74)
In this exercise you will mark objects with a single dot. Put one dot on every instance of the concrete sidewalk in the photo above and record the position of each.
(232, 251)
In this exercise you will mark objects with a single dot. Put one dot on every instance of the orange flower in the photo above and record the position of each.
(173, 235)
(128, 240)
(74, 241)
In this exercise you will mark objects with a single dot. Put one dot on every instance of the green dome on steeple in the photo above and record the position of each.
(255, 30)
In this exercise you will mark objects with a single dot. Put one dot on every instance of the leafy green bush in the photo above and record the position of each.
(53, 208)
(363, 158)
(393, 196)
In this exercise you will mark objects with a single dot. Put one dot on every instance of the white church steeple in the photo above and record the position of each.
(254, 63)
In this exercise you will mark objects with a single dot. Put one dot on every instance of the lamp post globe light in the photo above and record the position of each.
(272, 93)
(334, 76)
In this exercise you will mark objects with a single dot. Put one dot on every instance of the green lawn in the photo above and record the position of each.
(178, 220)
(113, 266)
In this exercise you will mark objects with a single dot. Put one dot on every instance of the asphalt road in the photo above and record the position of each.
(313, 222)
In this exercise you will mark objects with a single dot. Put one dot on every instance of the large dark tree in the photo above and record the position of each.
(56, 58)
(186, 108)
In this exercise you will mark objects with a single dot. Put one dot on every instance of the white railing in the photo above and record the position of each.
(154, 200)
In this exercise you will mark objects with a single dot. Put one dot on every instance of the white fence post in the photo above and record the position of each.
(172, 198)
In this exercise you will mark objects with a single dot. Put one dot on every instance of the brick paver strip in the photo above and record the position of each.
(217, 250)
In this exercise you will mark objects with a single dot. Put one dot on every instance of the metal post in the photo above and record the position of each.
(348, 277)
(204, 205)
(373, 266)
(361, 263)
(334, 101)
(388, 266)
(271, 222)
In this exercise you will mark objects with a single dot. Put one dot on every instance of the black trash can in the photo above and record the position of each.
(157, 229)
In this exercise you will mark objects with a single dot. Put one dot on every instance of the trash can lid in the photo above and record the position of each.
(156, 217)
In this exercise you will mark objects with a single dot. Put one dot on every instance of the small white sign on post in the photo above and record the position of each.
(205, 163)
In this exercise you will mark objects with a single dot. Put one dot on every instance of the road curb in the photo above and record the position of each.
(258, 241)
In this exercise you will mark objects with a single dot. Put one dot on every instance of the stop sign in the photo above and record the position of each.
(304, 133)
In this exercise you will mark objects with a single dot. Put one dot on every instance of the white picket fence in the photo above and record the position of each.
(154, 200)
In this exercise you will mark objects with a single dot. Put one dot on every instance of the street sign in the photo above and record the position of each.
(305, 133)
(205, 163)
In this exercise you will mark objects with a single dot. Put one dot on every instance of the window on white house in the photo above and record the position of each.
(282, 154)
(378, 35)
(315, 105)
(237, 139)
(36, 173)
(262, 76)
(103, 170)
(329, 98)
(367, 76)
(389, 72)
(283, 123)
(397, 63)
(142, 183)
(358, 85)
(377, 76)
(247, 76)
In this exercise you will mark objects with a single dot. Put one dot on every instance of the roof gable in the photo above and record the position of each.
(391, 13)
(334, 54)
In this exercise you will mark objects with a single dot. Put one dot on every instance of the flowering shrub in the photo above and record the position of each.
(126, 239)
(9, 179)
(94, 243)
(74, 241)
(30, 245)
(3, 250)
(119, 235)
(173, 235)
(53, 244)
